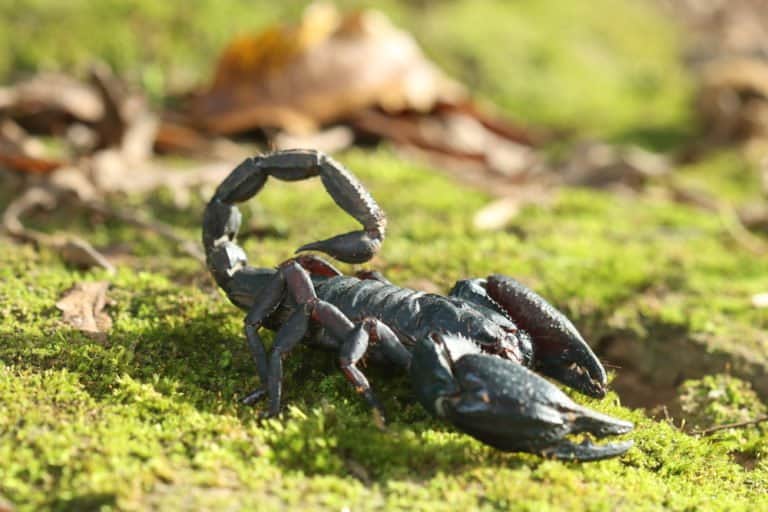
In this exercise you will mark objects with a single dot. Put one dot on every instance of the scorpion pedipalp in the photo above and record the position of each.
(559, 350)
(505, 405)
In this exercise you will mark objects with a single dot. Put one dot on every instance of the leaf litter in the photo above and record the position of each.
(82, 307)
(329, 81)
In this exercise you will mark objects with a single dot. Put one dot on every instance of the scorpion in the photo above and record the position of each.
(473, 357)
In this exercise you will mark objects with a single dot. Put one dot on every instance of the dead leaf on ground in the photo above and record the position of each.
(327, 67)
(83, 308)
(356, 71)
(598, 164)
(497, 214)
(48, 102)
(732, 101)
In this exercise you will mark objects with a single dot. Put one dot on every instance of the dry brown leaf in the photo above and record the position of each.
(48, 99)
(83, 306)
(328, 67)
(329, 141)
(497, 214)
(732, 101)
(21, 153)
(456, 141)
(597, 164)
(80, 253)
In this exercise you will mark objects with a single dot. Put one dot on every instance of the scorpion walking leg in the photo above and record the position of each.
(388, 342)
(266, 302)
(353, 340)
(355, 347)
(559, 349)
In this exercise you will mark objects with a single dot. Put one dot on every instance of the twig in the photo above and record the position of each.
(72, 248)
(140, 220)
(734, 226)
(75, 249)
(739, 424)
(732, 222)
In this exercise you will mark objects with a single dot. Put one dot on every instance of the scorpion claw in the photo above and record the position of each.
(559, 349)
(505, 405)
(584, 452)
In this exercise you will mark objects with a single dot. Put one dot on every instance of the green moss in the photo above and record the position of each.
(150, 418)
(718, 400)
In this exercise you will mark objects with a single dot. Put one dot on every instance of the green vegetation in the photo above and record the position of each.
(149, 417)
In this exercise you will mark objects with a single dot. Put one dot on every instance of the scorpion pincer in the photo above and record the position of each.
(471, 356)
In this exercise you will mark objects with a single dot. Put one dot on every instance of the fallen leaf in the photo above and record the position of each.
(497, 214)
(329, 141)
(597, 164)
(325, 68)
(48, 99)
(732, 101)
(83, 308)
(80, 253)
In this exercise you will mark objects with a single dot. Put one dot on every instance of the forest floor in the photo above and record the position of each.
(147, 416)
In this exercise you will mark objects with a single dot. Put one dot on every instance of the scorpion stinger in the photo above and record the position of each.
(470, 356)
(505, 405)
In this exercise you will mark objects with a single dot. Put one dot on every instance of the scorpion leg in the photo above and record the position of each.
(266, 302)
(559, 350)
(353, 340)
(352, 343)
(354, 348)
(388, 342)
(505, 405)
(289, 335)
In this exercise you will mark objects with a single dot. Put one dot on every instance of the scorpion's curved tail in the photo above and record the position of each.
(227, 260)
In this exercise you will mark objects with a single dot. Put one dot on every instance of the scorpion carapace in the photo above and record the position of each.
(471, 356)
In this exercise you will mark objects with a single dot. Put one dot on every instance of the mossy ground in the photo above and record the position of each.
(149, 418)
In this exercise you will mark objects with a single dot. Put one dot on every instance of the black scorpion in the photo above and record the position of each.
(470, 356)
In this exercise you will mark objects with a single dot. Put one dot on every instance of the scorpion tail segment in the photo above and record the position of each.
(224, 257)
(248, 178)
(347, 192)
(505, 405)
(559, 349)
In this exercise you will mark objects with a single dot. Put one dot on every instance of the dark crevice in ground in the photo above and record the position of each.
(649, 372)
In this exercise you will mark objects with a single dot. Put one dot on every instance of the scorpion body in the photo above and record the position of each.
(470, 356)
